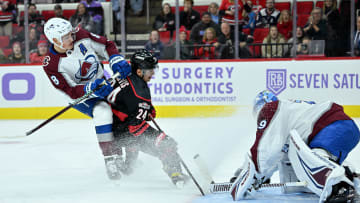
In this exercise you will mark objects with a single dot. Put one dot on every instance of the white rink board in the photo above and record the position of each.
(207, 83)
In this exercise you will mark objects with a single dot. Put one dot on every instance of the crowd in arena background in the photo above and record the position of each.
(265, 29)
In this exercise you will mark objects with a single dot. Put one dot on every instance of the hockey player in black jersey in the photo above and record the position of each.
(131, 104)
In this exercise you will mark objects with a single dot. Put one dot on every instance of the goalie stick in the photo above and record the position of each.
(77, 101)
(225, 187)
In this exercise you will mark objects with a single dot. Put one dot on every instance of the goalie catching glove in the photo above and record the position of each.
(247, 182)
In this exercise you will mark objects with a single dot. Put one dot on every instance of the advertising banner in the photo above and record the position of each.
(198, 88)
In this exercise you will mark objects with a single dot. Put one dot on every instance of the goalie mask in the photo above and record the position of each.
(56, 28)
(261, 99)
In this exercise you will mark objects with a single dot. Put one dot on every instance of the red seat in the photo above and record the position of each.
(246, 31)
(48, 14)
(201, 9)
(283, 6)
(319, 4)
(7, 52)
(260, 34)
(16, 29)
(4, 41)
(304, 7)
(302, 19)
(165, 37)
(68, 13)
(181, 8)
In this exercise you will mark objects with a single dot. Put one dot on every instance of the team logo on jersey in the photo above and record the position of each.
(88, 68)
(144, 105)
(46, 60)
(276, 80)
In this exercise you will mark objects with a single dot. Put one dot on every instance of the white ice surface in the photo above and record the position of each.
(62, 163)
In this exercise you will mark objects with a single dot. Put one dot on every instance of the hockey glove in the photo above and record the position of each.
(104, 90)
(119, 64)
(246, 183)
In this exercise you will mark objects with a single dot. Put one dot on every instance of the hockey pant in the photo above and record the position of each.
(101, 113)
(146, 139)
(338, 138)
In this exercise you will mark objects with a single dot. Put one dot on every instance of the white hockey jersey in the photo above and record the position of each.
(277, 119)
(70, 71)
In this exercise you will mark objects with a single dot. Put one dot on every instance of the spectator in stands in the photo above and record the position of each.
(189, 17)
(59, 12)
(137, 7)
(207, 51)
(299, 35)
(165, 21)
(186, 47)
(226, 43)
(268, 16)
(154, 44)
(6, 18)
(285, 24)
(96, 11)
(16, 56)
(82, 18)
(3, 58)
(213, 9)
(357, 37)
(198, 30)
(33, 39)
(249, 16)
(303, 48)
(227, 9)
(272, 45)
(39, 55)
(332, 15)
(34, 17)
(316, 28)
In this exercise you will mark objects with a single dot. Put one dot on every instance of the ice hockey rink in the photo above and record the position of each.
(61, 163)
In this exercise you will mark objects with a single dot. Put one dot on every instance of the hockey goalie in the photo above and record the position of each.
(305, 141)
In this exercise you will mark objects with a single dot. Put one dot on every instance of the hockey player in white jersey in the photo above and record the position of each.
(73, 67)
(305, 141)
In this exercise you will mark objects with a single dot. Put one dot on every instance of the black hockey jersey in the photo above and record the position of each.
(131, 105)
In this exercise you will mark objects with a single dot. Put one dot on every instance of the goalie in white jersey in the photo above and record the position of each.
(305, 141)
(73, 67)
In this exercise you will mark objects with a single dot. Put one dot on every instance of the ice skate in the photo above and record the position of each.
(341, 193)
(179, 179)
(112, 169)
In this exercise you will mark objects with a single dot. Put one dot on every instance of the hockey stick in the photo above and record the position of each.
(216, 188)
(77, 101)
(181, 160)
(225, 187)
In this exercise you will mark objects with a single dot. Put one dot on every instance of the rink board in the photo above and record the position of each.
(197, 88)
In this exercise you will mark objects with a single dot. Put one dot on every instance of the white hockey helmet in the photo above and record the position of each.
(57, 28)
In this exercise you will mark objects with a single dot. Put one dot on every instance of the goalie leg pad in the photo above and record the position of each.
(286, 175)
(317, 170)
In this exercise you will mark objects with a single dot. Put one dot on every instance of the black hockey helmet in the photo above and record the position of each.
(143, 59)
